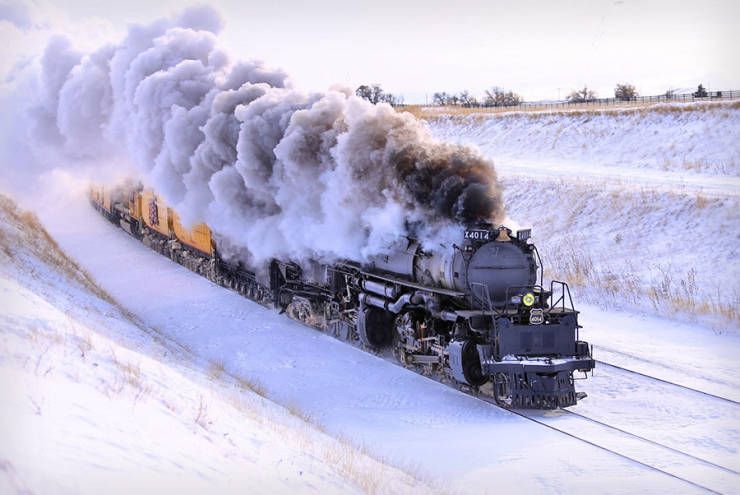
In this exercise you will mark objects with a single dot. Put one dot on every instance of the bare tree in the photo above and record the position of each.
(581, 95)
(375, 94)
(498, 97)
(467, 100)
(440, 98)
(625, 92)
(366, 92)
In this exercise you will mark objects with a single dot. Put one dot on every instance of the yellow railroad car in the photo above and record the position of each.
(199, 237)
(155, 213)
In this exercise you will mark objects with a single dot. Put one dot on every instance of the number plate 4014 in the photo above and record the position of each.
(478, 235)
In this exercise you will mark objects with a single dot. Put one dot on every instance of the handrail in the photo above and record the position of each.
(540, 266)
(473, 294)
(564, 290)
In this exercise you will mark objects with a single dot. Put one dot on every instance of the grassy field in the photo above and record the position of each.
(431, 112)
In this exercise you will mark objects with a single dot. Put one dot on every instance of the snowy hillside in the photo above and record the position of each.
(636, 209)
(690, 138)
(94, 401)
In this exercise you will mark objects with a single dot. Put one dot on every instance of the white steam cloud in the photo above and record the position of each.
(274, 171)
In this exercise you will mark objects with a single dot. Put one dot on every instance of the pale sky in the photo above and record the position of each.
(541, 49)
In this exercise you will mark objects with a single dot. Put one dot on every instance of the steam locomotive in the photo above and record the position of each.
(476, 314)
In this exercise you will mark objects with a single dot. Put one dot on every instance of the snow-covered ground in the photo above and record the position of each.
(615, 208)
(699, 138)
(94, 401)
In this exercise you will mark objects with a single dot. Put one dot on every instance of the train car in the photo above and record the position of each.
(156, 215)
(197, 238)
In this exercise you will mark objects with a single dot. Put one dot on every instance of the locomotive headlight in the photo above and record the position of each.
(528, 299)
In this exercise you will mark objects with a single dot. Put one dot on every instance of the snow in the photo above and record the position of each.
(93, 402)
(685, 353)
(686, 138)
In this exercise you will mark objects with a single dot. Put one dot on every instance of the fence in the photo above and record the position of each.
(634, 101)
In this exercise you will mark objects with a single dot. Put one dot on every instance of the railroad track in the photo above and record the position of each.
(668, 382)
(693, 470)
(709, 381)
(688, 468)
(654, 456)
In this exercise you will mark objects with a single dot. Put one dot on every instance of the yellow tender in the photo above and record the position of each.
(198, 238)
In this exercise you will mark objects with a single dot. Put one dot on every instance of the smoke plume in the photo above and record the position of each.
(274, 171)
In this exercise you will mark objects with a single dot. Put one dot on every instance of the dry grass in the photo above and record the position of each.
(670, 290)
(300, 430)
(34, 237)
(346, 460)
(251, 385)
(296, 411)
(129, 375)
(201, 415)
(83, 344)
(649, 264)
(216, 370)
(433, 112)
(353, 462)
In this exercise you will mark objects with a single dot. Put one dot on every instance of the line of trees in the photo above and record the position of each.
(499, 97)
(624, 92)
(494, 97)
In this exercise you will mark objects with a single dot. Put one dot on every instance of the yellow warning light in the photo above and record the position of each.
(528, 299)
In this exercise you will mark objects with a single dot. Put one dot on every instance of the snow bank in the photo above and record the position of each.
(700, 138)
(81, 412)
(674, 254)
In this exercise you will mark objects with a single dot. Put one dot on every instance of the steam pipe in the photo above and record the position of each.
(379, 302)
(431, 305)
(447, 316)
(396, 307)
(385, 290)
